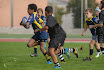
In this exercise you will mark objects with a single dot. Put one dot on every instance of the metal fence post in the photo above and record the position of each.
(11, 13)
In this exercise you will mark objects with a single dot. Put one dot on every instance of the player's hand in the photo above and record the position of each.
(36, 30)
(47, 31)
(90, 26)
(82, 33)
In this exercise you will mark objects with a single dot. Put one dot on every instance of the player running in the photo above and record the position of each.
(39, 37)
(57, 37)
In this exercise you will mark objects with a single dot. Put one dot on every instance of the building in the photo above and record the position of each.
(19, 11)
(98, 1)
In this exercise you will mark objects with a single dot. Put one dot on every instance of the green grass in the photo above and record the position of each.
(16, 35)
(30, 35)
(11, 51)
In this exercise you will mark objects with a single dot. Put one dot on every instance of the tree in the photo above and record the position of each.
(59, 12)
(75, 7)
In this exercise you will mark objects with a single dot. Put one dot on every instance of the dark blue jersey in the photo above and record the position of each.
(44, 19)
(91, 21)
(35, 21)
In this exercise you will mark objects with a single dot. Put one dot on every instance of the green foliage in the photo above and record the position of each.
(58, 14)
(75, 7)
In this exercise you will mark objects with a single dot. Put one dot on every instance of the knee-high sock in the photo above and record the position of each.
(91, 53)
(61, 56)
(45, 44)
(47, 57)
(35, 49)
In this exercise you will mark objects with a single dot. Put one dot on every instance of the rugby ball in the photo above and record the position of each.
(24, 20)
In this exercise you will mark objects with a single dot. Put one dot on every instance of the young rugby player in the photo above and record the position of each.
(91, 21)
(40, 36)
(100, 27)
(40, 15)
(57, 36)
(97, 11)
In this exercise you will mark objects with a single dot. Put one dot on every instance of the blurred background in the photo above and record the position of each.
(69, 14)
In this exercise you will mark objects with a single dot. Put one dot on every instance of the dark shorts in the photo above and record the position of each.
(48, 35)
(100, 30)
(101, 16)
(101, 38)
(95, 37)
(40, 36)
(57, 41)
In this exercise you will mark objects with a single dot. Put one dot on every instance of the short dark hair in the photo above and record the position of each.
(32, 6)
(89, 10)
(40, 10)
(49, 9)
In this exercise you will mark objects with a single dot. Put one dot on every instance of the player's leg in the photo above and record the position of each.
(74, 50)
(91, 48)
(45, 44)
(91, 51)
(60, 55)
(32, 42)
(61, 44)
(97, 45)
(51, 51)
(43, 36)
(102, 44)
(35, 52)
(42, 44)
(53, 45)
(48, 40)
(101, 40)
(102, 48)
(60, 41)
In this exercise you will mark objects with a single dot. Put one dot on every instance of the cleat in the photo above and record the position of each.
(103, 53)
(34, 54)
(57, 67)
(67, 52)
(75, 51)
(49, 62)
(98, 54)
(87, 59)
(63, 61)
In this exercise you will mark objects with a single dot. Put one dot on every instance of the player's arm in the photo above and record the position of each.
(85, 29)
(27, 25)
(42, 29)
(24, 23)
(96, 25)
(30, 21)
(50, 23)
(41, 21)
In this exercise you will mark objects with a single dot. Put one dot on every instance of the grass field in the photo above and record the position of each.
(15, 56)
(30, 35)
